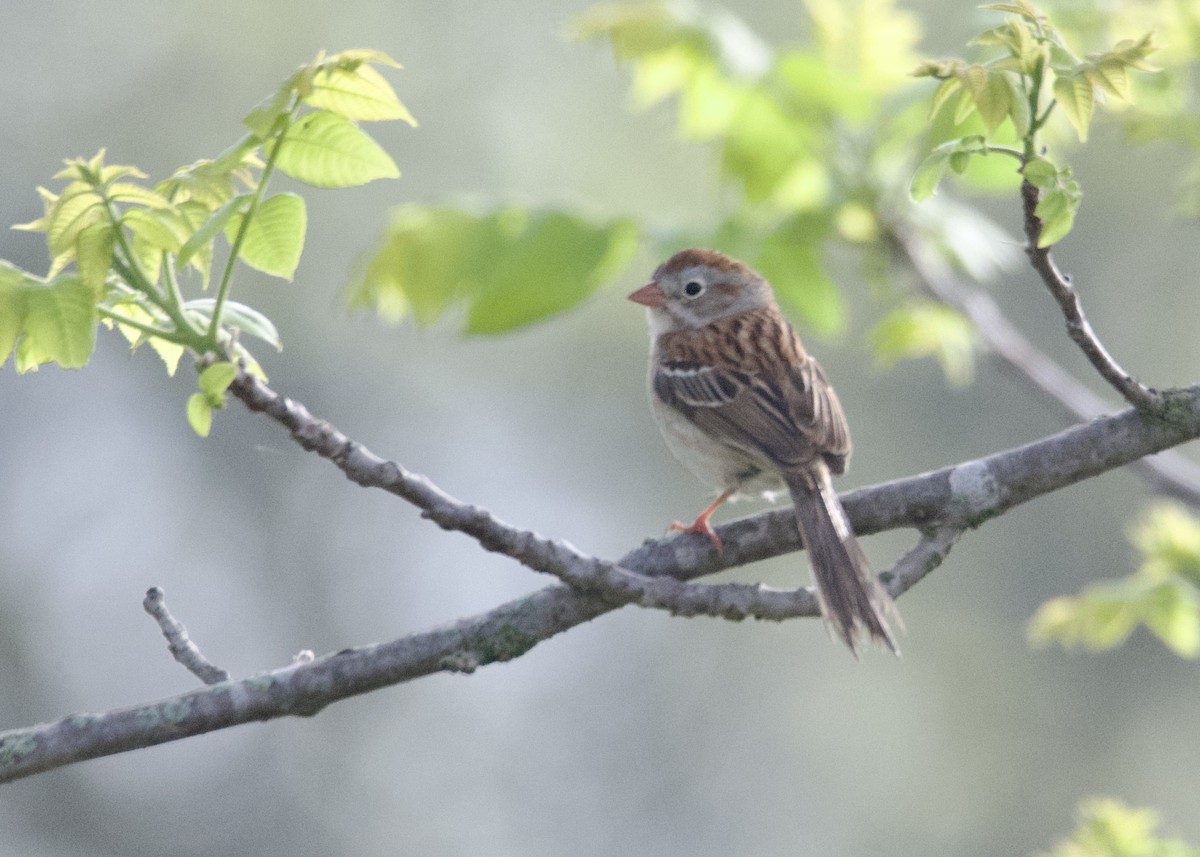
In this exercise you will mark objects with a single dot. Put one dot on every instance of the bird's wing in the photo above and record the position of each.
(746, 381)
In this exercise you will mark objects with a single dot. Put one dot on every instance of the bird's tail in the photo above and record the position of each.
(851, 598)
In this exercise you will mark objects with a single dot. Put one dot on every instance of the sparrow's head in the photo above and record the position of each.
(696, 287)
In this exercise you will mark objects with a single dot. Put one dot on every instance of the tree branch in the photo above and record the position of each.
(1168, 473)
(614, 583)
(941, 503)
(1078, 328)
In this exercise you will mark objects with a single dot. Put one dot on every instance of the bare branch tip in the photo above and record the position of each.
(180, 645)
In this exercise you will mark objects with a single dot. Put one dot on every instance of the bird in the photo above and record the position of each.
(743, 405)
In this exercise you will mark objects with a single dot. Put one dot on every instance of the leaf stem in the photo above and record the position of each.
(131, 271)
(135, 280)
(175, 298)
(1041, 120)
(1035, 122)
(283, 123)
(1005, 150)
(149, 329)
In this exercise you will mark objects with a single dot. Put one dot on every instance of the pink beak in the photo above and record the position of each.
(650, 295)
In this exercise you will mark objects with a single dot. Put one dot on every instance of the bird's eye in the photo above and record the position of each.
(693, 288)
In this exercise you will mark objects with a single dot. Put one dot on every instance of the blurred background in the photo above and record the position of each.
(636, 734)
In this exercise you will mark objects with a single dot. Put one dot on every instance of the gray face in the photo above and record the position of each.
(700, 294)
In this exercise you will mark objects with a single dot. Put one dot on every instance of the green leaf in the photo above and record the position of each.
(709, 105)
(429, 257)
(1173, 616)
(353, 56)
(964, 106)
(640, 30)
(158, 230)
(660, 75)
(1056, 210)
(325, 150)
(868, 41)
(557, 261)
(42, 224)
(991, 38)
(202, 238)
(94, 172)
(78, 208)
(633, 30)
(169, 352)
(1020, 7)
(198, 216)
(358, 92)
(1097, 620)
(1074, 94)
(1132, 53)
(990, 92)
(940, 69)
(212, 182)
(942, 94)
(508, 268)
(93, 256)
(274, 239)
(1041, 173)
(1109, 828)
(261, 120)
(952, 154)
(136, 194)
(818, 89)
(764, 145)
(927, 329)
(1110, 76)
(1168, 538)
(974, 78)
(931, 171)
(155, 232)
(1023, 45)
(1162, 593)
(13, 283)
(236, 315)
(792, 259)
(251, 321)
(1018, 106)
(215, 379)
(59, 326)
(199, 414)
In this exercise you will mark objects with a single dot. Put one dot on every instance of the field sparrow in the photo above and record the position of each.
(744, 407)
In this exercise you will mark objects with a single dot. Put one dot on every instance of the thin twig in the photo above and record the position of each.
(737, 601)
(181, 646)
(926, 555)
(1137, 394)
(1168, 473)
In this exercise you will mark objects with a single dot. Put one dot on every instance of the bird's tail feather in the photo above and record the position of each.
(852, 600)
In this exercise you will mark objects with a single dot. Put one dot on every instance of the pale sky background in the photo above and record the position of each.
(638, 733)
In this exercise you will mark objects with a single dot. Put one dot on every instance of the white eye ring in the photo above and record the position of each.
(693, 288)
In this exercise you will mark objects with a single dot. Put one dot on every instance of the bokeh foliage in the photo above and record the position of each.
(1162, 594)
(1109, 828)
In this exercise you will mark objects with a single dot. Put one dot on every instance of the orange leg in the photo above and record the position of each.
(701, 526)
